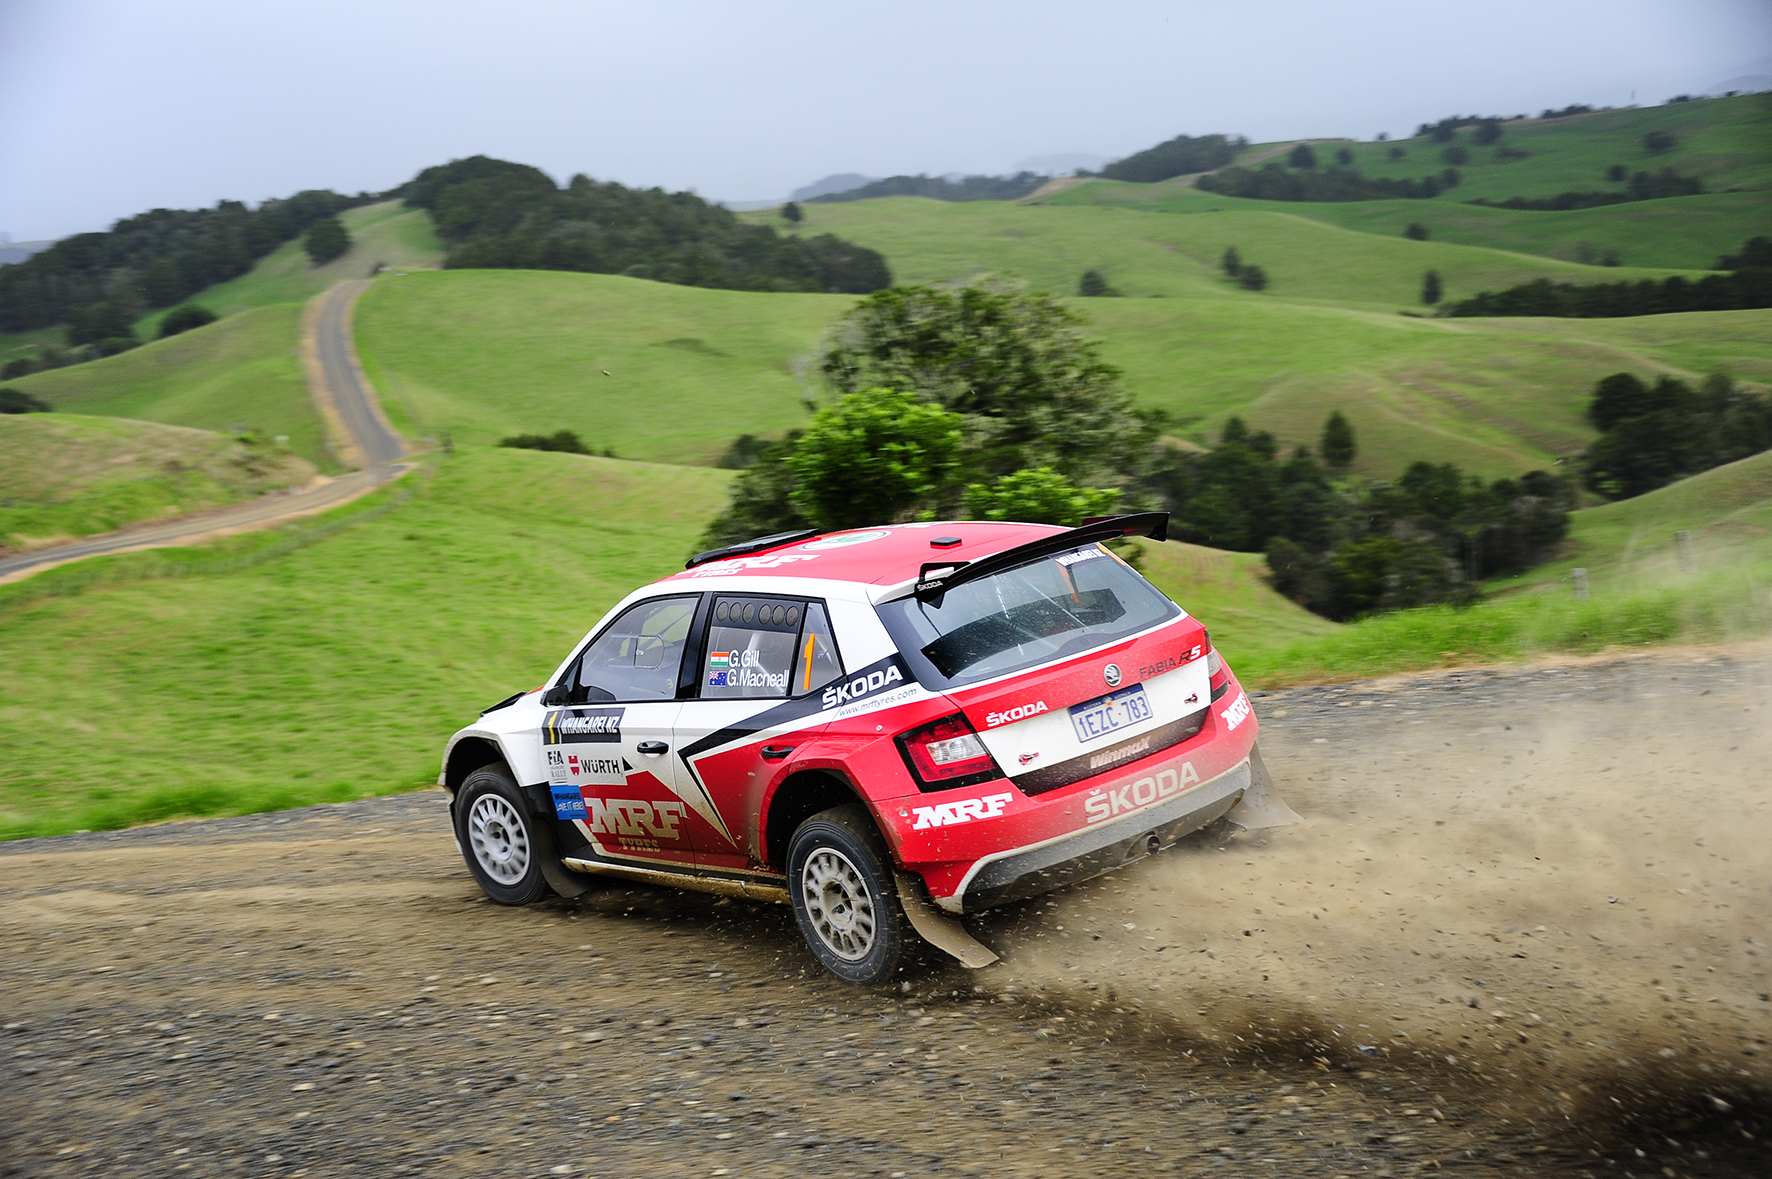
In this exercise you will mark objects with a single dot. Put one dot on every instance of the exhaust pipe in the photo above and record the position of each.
(1261, 806)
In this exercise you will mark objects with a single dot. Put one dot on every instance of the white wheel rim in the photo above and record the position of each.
(838, 904)
(499, 839)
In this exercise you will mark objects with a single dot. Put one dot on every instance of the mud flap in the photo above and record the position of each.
(938, 929)
(1261, 806)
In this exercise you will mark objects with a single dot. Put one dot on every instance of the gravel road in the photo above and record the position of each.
(1523, 931)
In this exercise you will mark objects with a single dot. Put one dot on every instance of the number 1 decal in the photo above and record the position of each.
(807, 687)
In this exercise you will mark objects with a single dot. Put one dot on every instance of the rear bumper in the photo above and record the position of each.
(1029, 872)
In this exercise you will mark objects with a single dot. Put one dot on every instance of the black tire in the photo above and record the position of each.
(845, 896)
(501, 841)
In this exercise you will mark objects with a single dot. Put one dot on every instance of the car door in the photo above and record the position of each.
(611, 768)
(764, 664)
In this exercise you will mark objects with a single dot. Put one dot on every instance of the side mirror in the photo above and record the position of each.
(554, 696)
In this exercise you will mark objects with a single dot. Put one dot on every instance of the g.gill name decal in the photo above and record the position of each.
(967, 809)
(1105, 804)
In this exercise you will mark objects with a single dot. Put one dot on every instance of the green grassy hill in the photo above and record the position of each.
(66, 475)
(386, 233)
(241, 373)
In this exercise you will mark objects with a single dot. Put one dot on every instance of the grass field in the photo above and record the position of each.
(484, 354)
(243, 372)
(382, 233)
(269, 673)
(65, 475)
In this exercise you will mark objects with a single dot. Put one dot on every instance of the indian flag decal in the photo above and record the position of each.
(719, 660)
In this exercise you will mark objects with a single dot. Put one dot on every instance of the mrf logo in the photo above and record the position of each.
(633, 818)
(1105, 804)
(1238, 712)
(964, 811)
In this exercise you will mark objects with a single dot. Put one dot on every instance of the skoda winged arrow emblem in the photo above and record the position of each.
(1111, 673)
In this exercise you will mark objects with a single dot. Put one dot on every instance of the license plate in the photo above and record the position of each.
(1110, 714)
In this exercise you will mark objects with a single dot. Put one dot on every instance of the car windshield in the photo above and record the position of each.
(1050, 608)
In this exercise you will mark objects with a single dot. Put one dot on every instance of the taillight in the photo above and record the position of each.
(1214, 664)
(947, 753)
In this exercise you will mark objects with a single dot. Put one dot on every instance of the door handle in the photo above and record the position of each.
(652, 748)
(776, 752)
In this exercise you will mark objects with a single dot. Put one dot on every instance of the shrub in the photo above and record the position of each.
(745, 450)
(1094, 284)
(1450, 178)
(1756, 253)
(108, 320)
(1232, 262)
(18, 401)
(872, 457)
(563, 441)
(1657, 142)
(326, 240)
(792, 213)
(1488, 131)
(183, 319)
(1456, 154)
(1037, 496)
(1252, 277)
(1430, 288)
(111, 345)
(1617, 173)
(22, 366)
(1416, 232)
(1396, 153)
(1302, 157)
(1338, 445)
(1343, 156)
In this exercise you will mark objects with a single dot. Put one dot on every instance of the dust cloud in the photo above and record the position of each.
(1554, 885)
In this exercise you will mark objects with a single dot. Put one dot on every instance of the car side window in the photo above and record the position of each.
(815, 661)
(750, 651)
(638, 656)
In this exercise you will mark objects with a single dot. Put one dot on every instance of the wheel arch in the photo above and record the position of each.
(800, 796)
(466, 756)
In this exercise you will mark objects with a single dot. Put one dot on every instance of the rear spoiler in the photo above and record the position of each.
(938, 577)
(751, 546)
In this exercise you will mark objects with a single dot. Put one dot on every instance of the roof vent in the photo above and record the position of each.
(944, 542)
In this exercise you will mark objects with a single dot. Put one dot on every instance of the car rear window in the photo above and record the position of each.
(1050, 608)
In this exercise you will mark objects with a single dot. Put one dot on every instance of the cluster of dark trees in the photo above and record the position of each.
(1094, 285)
(1180, 156)
(967, 188)
(492, 213)
(1644, 186)
(1654, 434)
(1574, 108)
(561, 441)
(1746, 287)
(1343, 548)
(1488, 128)
(101, 282)
(18, 401)
(1248, 275)
(1271, 182)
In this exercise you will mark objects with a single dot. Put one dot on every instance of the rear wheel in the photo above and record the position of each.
(840, 881)
(499, 838)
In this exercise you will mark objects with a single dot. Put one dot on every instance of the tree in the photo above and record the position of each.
(1456, 154)
(18, 401)
(562, 441)
(1657, 142)
(1252, 277)
(1035, 391)
(1488, 131)
(1430, 288)
(1395, 153)
(1037, 496)
(1450, 178)
(1756, 253)
(792, 214)
(1416, 232)
(183, 319)
(1302, 157)
(1617, 173)
(108, 320)
(1094, 285)
(1337, 445)
(327, 240)
(1343, 156)
(1232, 262)
(873, 456)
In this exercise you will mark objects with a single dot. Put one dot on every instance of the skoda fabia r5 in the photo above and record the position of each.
(885, 728)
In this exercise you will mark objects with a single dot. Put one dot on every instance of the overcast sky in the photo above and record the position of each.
(110, 108)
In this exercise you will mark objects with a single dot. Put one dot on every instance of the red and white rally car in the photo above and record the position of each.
(883, 727)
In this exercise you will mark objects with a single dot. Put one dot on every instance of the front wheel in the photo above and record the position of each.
(499, 837)
(841, 884)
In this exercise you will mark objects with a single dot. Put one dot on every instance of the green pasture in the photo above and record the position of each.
(1050, 246)
(329, 659)
(242, 372)
(66, 475)
(1726, 142)
(1677, 232)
